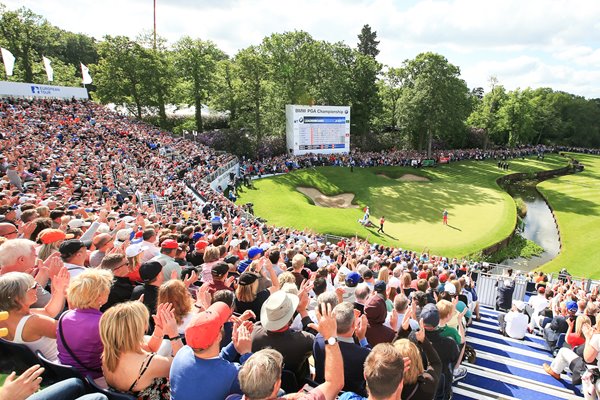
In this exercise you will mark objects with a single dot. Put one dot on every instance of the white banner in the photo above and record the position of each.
(36, 90)
(85, 73)
(49, 69)
(317, 129)
(9, 61)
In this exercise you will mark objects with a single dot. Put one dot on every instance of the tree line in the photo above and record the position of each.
(422, 104)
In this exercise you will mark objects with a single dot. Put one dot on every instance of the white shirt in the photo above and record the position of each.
(538, 303)
(414, 325)
(595, 343)
(74, 270)
(516, 324)
(151, 251)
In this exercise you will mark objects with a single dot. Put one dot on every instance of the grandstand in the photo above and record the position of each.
(77, 155)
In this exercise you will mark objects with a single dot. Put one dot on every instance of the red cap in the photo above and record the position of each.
(423, 275)
(205, 327)
(138, 234)
(169, 244)
(542, 289)
(201, 245)
(443, 277)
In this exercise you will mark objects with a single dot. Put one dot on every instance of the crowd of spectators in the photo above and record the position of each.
(200, 300)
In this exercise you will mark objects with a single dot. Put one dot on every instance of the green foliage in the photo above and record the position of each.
(518, 247)
(367, 43)
(521, 207)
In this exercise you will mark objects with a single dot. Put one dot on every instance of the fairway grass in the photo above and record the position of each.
(480, 212)
(575, 200)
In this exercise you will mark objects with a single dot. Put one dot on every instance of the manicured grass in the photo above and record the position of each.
(480, 213)
(575, 200)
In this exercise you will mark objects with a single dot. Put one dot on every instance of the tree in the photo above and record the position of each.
(121, 75)
(196, 62)
(365, 96)
(390, 88)
(367, 43)
(514, 117)
(435, 99)
(485, 113)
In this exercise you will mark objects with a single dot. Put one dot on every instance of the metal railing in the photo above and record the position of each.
(220, 171)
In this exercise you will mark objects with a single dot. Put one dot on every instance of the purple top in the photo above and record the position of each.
(81, 330)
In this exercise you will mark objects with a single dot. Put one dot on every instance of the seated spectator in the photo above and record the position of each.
(260, 376)
(151, 274)
(376, 313)
(559, 324)
(576, 338)
(200, 368)
(168, 249)
(514, 323)
(353, 355)
(74, 253)
(35, 328)
(129, 364)
(176, 293)
(420, 383)
(274, 331)
(103, 243)
(77, 333)
(122, 288)
(384, 374)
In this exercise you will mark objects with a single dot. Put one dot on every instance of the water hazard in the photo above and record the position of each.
(539, 225)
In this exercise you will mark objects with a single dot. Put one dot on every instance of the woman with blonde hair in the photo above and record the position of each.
(384, 275)
(420, 383)
(33, 327)
(77, 333)
(576, 338)
(129, 364)
(247, 296)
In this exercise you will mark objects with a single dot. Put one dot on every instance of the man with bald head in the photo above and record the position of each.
(8, 230)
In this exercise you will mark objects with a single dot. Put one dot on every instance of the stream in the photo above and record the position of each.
(539, 225)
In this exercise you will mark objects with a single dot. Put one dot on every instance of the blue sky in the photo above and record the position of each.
(523, 43)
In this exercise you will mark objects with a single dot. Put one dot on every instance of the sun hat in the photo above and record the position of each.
(205, 327)
(277, 310)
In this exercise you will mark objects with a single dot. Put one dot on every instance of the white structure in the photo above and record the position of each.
(317, 129)
(16, 89)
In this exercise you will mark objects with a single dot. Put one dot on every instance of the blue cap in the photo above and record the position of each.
(254, 251)
(379, 287)
(197, 235)
(397, 259)
(352, 279)
(73, 207)
(572, 305)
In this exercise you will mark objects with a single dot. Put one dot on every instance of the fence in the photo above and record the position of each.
(487, 288)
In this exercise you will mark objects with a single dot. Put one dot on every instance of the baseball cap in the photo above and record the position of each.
(78, 223)
(134, 249)
(201, 245)
(352, 279)
(254, 251)
(70, 247)
(379, 287)
(572, 306)
(313, 256)
(423, 275)
(169, 244)
(206, 326)
(235, 242)
(232, 259)
(247, 278)
(219, 269)
(430, 316)
(519, 304)
(48, 236)
(321, 263)
(450, 288)
(443, 278)
(150, 270)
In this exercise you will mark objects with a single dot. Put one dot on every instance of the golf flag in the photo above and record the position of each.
(9, 61)
(85, 73)
(49, 70)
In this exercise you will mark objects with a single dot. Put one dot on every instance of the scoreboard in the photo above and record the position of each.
(317, 129)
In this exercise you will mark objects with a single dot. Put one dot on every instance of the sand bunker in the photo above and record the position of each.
(408, 178)
(343, 200)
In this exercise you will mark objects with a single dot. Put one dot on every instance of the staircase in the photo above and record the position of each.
(509, 369)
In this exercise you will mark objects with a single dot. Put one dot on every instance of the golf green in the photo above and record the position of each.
(575, 200)
(480, 213)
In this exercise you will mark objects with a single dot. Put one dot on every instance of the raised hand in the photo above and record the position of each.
(193, 277)
(361, 327)
(242, 340)
(61, 280)
(24, 386)
(327, 325)
(420, 335)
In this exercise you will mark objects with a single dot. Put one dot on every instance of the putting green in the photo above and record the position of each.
(575, 200)
(480, 212)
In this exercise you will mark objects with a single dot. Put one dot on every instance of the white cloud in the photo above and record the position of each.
(551, 42)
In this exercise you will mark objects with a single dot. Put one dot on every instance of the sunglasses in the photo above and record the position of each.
(34, 286)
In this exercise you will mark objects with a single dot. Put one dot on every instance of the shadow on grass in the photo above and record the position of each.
(563, 202)
(454, 227)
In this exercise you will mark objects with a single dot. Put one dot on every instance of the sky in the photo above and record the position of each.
(523, 43)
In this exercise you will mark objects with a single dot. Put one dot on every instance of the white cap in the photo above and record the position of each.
(235, 243)
(321, 263)
(313, 256)
(134, 249)
(449, 288)
(78, 223)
